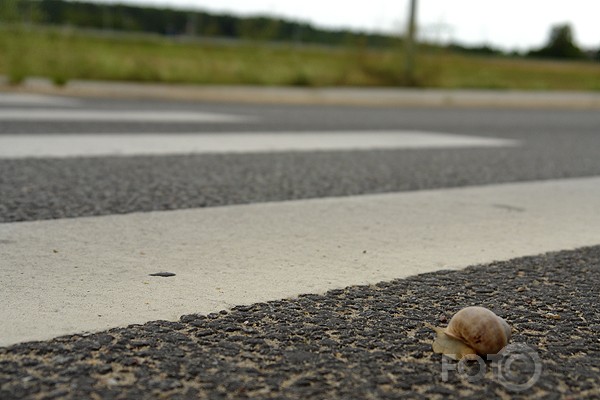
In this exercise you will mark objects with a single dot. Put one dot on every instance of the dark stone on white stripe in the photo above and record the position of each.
(163, 274)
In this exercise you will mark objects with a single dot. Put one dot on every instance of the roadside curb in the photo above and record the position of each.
(375, 97)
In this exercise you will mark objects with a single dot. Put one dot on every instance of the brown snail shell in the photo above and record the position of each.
(472, 330)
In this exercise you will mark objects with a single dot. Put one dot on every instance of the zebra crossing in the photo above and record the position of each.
(90, 274)
(74, 114)
(91, 145)
(97, 271)
(226, 256)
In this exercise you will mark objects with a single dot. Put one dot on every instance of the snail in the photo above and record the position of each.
(472, 331)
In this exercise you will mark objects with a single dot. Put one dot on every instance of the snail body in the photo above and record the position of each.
(472, 331)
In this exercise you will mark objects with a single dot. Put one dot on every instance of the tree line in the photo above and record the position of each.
(166, 21)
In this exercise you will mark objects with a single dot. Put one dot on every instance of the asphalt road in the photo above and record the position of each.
(357, 342)
(554, 144)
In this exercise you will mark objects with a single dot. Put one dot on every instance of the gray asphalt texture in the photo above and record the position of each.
(353, 343)
(555, 144)
(361, 342)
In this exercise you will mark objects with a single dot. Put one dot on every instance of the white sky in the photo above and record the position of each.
(508, 24)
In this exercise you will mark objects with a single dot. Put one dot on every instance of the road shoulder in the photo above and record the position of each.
(376, 97)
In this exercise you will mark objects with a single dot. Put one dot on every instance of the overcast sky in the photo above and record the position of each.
(509, 24)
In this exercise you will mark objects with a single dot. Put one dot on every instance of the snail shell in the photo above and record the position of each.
(472, 330)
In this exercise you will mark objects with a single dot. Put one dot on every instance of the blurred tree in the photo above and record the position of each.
(9, 10)
(560, 44)
(33, 13)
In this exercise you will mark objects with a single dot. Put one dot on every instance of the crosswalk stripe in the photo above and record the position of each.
(23, 114)
(88, 274)
(36, 100)
(18, 146)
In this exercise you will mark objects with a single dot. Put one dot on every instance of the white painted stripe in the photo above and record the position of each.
(17, 146)
(19, 114)
(35, 99)
(88, 274)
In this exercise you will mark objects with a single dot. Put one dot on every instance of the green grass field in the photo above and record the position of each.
(63, 54)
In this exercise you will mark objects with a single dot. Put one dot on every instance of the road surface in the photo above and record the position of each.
(301, 250)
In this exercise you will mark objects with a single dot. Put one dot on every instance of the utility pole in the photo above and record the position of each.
(409, 44)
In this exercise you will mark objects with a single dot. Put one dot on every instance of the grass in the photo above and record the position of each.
(64, 54)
